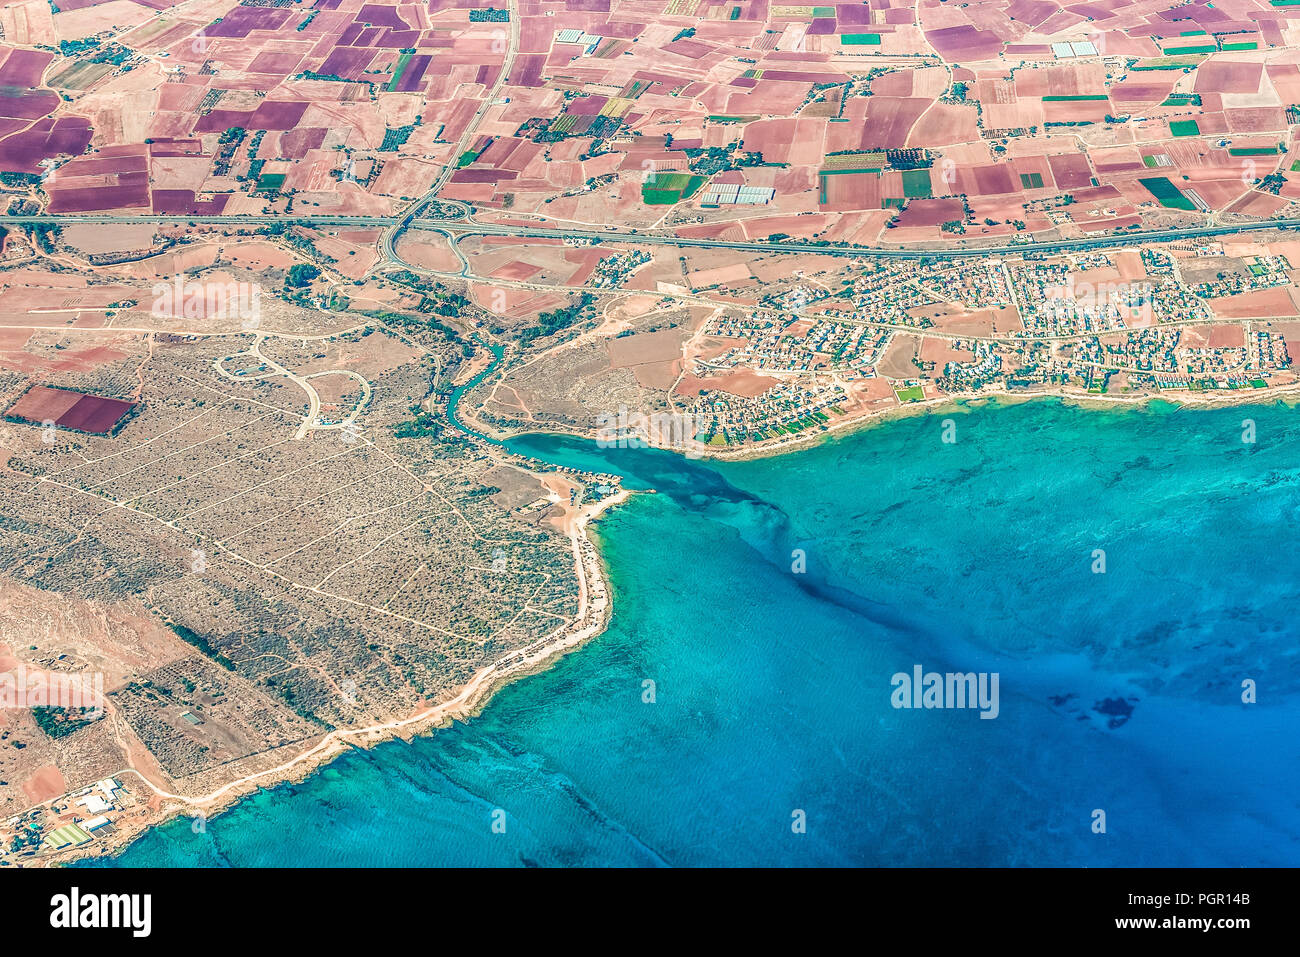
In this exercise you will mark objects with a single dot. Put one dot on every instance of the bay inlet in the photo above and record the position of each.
(761, 608)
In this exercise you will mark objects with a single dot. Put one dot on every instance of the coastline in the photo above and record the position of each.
(595, 608)
(955, 402)
(594, 611)
(960, 401)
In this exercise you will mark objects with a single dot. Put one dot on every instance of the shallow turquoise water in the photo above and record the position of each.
(453, 400)
(772, 689)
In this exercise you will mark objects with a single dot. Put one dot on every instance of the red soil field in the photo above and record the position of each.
(944, 123)
(956, 44)
(1258, 302)
(1227, 337)
(889, 121)
(1219, 76)
(1070, 170)
(1256, 119)
(931, 212)
(23, 68)
(744, 383)
(95, 414)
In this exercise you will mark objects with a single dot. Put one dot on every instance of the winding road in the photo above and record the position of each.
(312, 423)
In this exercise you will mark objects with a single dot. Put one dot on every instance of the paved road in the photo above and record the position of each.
(250, 220)
(464, 227)
(388, 241)
(874, 252)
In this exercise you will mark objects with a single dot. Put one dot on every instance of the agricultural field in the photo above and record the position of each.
(281, 279)
(666, 189)
(95, 414)
(1033, 124)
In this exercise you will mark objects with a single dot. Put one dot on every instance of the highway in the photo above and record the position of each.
(1137, 237)
(463, 227)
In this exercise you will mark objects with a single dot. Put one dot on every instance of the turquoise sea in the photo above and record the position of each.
(1119, 691)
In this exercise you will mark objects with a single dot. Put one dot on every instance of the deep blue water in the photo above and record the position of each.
(772, 689)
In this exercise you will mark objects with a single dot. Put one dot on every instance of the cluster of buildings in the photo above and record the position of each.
(582, 38)
(785, 409)
(1144, 350)
(73, 820)
(1067, 320)
(783, 343)
(977, 284)
(613, 271)
(986, 367)
(1073, 50)
(734, 194)
(1263, 272)
(1267, 351)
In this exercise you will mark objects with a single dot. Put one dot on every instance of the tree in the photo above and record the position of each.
(301, 275)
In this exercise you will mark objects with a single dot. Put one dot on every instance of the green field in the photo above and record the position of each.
(1203, 48)
(404, 59)
(1167, 194)
(68, 834)
(664, 189)
(1169, 62)
(1076, 96)
(1231, 47)
(916, 184)
(1184, 128)
(1252, 151)
(1031, 180)
(1149, 162)
(912, 393)
(860, 39)
(270, 181)
(1183, 99)
(466, 158)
